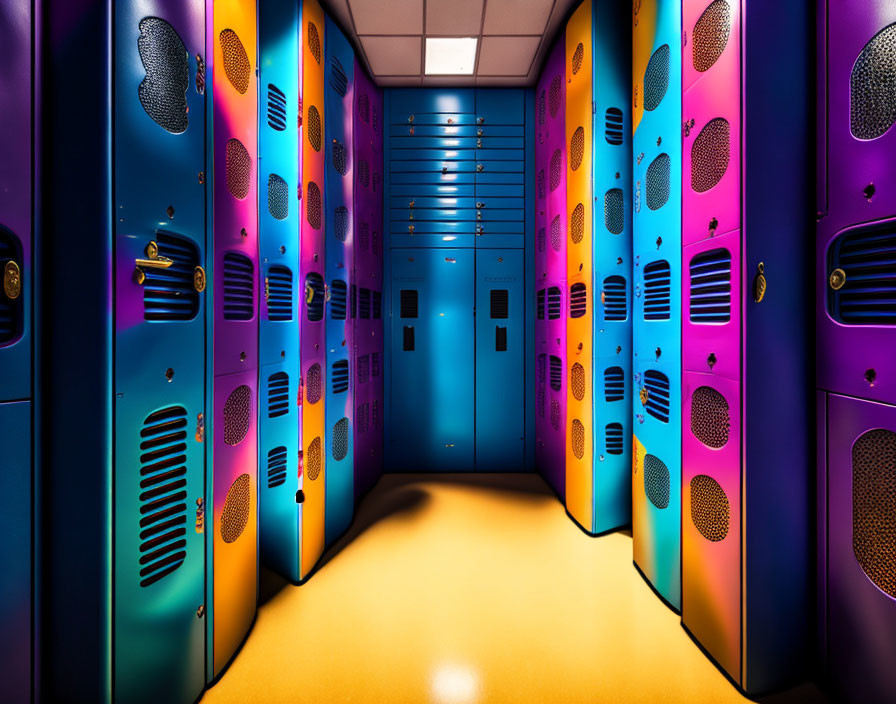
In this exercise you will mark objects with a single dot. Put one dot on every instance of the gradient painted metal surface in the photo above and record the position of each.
(656, 344)
(234, 582)
(278, 242)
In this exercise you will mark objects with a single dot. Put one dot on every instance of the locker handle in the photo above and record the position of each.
(158, 263)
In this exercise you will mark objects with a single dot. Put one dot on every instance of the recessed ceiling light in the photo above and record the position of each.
(450, 56)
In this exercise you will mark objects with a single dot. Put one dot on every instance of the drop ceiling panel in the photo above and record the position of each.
(454, 17)
(507, 56)
(393, 56)
(517, 16)
(387, 16)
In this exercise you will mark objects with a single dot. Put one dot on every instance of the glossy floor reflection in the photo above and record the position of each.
(471, 588)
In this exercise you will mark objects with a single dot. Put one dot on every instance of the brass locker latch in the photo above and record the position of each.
(760, 284)
(12, 280)
(199, 279)
(837, 279)
(152, 261)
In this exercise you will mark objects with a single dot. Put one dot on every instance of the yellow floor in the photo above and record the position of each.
(470, 588)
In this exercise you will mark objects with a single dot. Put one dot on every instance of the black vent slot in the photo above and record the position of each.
(540, 301)
(340, 157)
(614, 298)
(338, 79)
(362, 373)
(362, 417)
(655, 395)
(408, 303)
(338, 296)
(555, 303)
(364, 303)
(279, 293)
(376, 309)
(278, 395)
(374, 364)
(168, 294)
(499, 300)
(614, 384)
(613, 125)
(867, 260)
(578, 300)
(277, 467)
(364, 235)
(339, 376)
(614, 441)
(353, 300)
(364, 107)
(239, 287)
(314, 297)
(556, 373)
(711, 287)
(11, 310)
(166, 62)
(276, 108)
(408, 342)
(278, 197)
(657, 290)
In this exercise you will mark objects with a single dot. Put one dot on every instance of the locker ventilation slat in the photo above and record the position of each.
(278, 197)
(376, 305)
(656, 401)
(657, 182)
(364, 107)
(313, 384)
(577, 148)
(710, 35)
(408, 303)
(166, 62)
(710, 290)
(541, 108)
(499, 303)
(314, 41)
(577, 438)
(542, 380)
(163, 497)
(338, 294)
(614, 211)
(237, 415)
(614, 441)
(374, 364)
(168, 294)
(364, 303)
(873, 87)
(313, 205)
(278, 394)
(555, 96)
(314, 129)
(277, 467)
(314, 297)
(375, 412)
(577, 58)
(577, 224)
(541, 239)
(614, 384)
(710, 417)
(340, 157)
(340, 439)
(710, 155)
(613, 126)
(657, 483)
(541, 299)
(556, 234)
(868, 258)
(339, 376)
(578, 300)
(313, 460)
(556, 166)
(577, 381)
(237, 169)
(239, 287)
(556, 373)
(657, 290)
(555, 415)
(279, 293)
(341, 223)
(363, 371)
(614, 299)
(237, 507)
(710, 510)
(555, 303)
(364, 236)
(338, 79)
(362, 417)
(236, 62)
(540, 181)
(656, 78)
(364, 173)
(276, 108)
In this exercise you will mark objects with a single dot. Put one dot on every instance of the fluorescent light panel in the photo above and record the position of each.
(450, 56)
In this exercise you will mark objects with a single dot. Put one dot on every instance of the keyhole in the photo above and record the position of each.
(869, 191)
(169, 374)
(870, 376)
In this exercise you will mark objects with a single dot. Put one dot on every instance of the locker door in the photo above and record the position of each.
(432, 405)
(499, 360)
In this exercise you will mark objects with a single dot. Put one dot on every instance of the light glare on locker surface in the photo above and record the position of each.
(450, 56)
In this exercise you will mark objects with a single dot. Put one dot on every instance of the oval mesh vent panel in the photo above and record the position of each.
(340, 223)
(577, 148)
(236, 62)
(313, 205)
(710, 291)
(710, 35)
(614, 384)
(657, 182)
(613, 126)
(614, 298)
(12, 311)
(577, 57)
(872, 87)
(556, 372)
(313, 384)
(364, 173)
(555, 303)
(710, 155)
(578, 300)
(313, 128)
(168, 294)
(340, 158)
(540, 182)
(555, 95)
(364, 107)
(278, 197)
(614, 211)
(238, 167)
(868, 258)
(556, 235)
(237, 414)
(556, 166)
(278, 284)
(614, 440)
(340, 439)
(277, 467)
(874, 507)
(710, 417)
(313, 460)
(577, 438)
(163, 481)
(656, 78)
(163, 93)
(656, 398)
(577, 224)
(710, 511)
(278, 395)
(657, 290)
(656, 481)
(276, 108)
(314, 41)
(314, 297)
(577, 381)
(541, 108)
(236, 508)
(555, 415)
(239, 287)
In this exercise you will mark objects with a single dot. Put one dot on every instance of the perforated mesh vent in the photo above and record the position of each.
(278, 197)
(362, 417)
(868, 259)
(163, 481)
(313, 384)
(556, 234)
(237, 414)
(577, 381)
(238, 168)
(613, 132)
(340, 439)
(541, 108)
(542, 371)
(872, 97)
(555, 415)
(540, 239)
(338, 79)
(710, 35)
(614, 384)
(313, 128)
(236, 62)
(340, 223)
(577, 148)
(168, 294)
(656, 481)
(614, 441)
(540, 181)
(710, 511)
(577, 57)
(710, 417)
(313, 460)
(235, 516)
(364, 107)
(874, 507)
(710, 155)
(314, 297)
(554, 95)
(338, 299)
(578, 300)
(12, 311)
(540, 400)
(340, 158)
(657, 182)
(276, 108)
(163, 91)
(614, 298)
(313, 205)
(614, 211)
(314, 41)
(239, 287)
(655, 395)
(657, 290)
(364, 173)
(374, 364)
(278, 395)
(577, 438)
(279, 293)
(363, 370)
(556, 372)
(577, 224)
(339, 376)
(556, 166)
(277, 467)
(656, 78)
(711, 287)
(555, 303)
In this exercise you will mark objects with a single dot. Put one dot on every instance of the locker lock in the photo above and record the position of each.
(199, 279)
(479, 167)
(480, 205)
(411, 119)
(12, 280)
(151, 261)
(480, 120)
(837, 279)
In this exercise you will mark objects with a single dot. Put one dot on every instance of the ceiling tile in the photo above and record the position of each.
(454, 17)
(392, 17)
(507, 56)
(393, 56)
(516, 16)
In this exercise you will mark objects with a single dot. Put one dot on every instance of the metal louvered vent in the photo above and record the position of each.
(376, 305)
(364, 107)
(239, 287)
(313, 128)
(874, 507)
(163, 92)
(238, 169)
(555, 415)
(375, 123)
(353, 300)
(278, 394)
(340, 158)
(555, 95)
(340, 223)
(541, 189)
(657, 290)
(614, 298)
(338, 299)
(168, 294)
(655, 395)
(374, 364)
(542, 372)
(710, 35)
(277, 467)
(614, 211)
(614, 442)
(577, 438)
(540, 303)
(555, 303)
(314, 297)
(578, 57)
(278, 287)
(278, 197)
(236, 62)
(577, 224)
(237, 506)
(237, 411)
(313, 460)
(710, 291)
(362, 417)
(556, 167)
(12, 310)
(363, 371)
(872, 87)
(408, 303)
(710, 155)
(657, 483)
(364, 303)
(276, 108)
(314, 41)
(657, 182)
(364, 173)
(710, 511)
(340, 439)
(375, 414)
(499, 303)
(577, 381)
(163, 497)
(364, 235)
(867, 293)
(541, 108)
(540, 239)
(577, 148)
(556, 372)
(339, 376)
(578, 300)
(338, 79)
(614, 384)
(656, 78)
(313, 205)
(556, 234)
(613, 126)
(710, 417)
(313, 384)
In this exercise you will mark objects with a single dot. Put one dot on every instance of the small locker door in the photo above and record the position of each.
(499, 360)
(431, 377)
